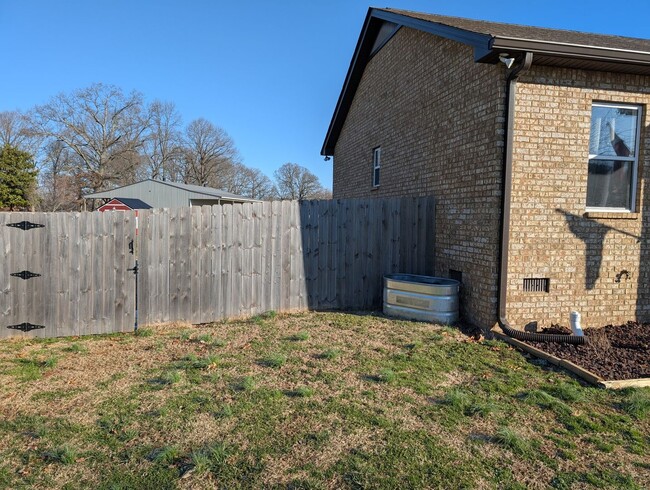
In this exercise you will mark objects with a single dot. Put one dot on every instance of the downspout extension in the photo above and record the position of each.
(511, 81)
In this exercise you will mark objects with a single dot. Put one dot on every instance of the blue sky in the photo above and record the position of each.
(269, 73)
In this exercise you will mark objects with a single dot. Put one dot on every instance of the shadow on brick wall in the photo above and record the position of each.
(593, 234)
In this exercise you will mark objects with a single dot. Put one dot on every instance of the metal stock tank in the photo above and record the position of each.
(424, 298)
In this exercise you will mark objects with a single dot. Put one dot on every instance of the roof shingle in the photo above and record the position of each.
(497, 29)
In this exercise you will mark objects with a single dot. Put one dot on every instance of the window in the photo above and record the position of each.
(613, 157)
(376, 165)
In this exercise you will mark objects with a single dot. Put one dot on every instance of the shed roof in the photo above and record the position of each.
(132, 202)
(553, 47)
(168, 194)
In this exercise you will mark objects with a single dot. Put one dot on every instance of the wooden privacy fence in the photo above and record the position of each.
(203, 264)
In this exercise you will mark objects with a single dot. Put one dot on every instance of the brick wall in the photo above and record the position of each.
(585, 257)
(438, 118)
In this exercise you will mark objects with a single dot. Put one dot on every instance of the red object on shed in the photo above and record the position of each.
(124, 204)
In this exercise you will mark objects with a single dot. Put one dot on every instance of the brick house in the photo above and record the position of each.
(534, 142)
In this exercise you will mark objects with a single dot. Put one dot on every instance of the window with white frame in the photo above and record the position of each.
(613, 157)
(376, 165)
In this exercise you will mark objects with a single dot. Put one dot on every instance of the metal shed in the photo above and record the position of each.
(159, 194)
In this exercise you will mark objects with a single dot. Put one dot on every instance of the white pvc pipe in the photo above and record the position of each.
(575, 324)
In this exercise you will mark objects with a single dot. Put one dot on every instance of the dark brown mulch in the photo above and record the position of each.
(613, 352)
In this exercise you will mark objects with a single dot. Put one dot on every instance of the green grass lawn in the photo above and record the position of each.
(315, 400)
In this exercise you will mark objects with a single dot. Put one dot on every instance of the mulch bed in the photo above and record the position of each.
(614, 352)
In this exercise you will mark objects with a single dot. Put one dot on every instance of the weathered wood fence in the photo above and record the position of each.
(203, 264)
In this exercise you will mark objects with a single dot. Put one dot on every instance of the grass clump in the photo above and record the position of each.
(212, 458)
(265, 317)
(171, 377)
(330, 354)
(458, 399)
(510, 439)
(32, 369)
(568, 392)
(192, 361)
(276, 360)
(76, 348)
(302, 392)
(210, 340)
(299, 337)
(636, 402)
(50, 362)
(63, 455)
(385, 375)
(247, 383)
(164, 455)
(143, 332)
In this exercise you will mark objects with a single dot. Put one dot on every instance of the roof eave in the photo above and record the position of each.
(567, 50)
(362, 55)
(353, 73)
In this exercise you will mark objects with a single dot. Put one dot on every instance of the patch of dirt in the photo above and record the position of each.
(614, 352)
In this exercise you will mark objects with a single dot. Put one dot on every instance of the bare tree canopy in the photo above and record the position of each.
(15, 131)
(251, 182)
(209, 155)
(102, 126)
(163, 143)
(298, 183)
(59, 189)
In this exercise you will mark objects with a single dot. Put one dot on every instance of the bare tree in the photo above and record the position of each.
(250, 182)
(15, 131)
(59, 189)
(162, 146)
(104, 129)
(209, 155)
(297, 183)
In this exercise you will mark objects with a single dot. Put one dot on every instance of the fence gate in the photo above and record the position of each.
(66, 273)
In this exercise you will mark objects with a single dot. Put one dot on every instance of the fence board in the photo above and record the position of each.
(85, 255)
(206, 277)
(217, 258)
(330, 243)
(267, 256)
(226, 261)
(118, 277)
(257, 272)
(195, 274)
(295, 256)
(236, 262)
(246, 259)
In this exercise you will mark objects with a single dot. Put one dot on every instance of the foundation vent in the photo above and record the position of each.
(537, 284)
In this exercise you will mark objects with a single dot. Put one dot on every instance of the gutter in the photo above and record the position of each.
(506, 193)
(569, 50)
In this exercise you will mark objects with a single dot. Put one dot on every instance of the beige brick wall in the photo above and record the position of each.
(438, 118)
(584, 257)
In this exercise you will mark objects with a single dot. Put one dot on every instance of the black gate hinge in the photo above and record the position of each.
(25, 225)
(25, 274)
(26, 327)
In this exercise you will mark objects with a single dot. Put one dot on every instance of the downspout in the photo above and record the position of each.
(506, 194)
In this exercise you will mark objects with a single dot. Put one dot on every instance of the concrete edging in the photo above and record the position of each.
(568, 365)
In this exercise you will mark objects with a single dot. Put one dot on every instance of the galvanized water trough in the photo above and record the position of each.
(424, 298)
